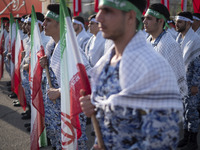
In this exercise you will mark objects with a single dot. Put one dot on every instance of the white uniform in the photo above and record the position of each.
(173, 32)
(95, 48)
(82, 39)
(190, 46)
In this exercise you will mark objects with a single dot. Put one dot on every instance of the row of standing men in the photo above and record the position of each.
(180, 48)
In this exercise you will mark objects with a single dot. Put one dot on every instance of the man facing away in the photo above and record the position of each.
(154, 23)
(190, 46)
(134, 90)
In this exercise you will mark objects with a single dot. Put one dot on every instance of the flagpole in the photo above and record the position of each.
(97, 132)
(96, 126)
(49, 79)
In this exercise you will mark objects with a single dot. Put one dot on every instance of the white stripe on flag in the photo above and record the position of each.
(76, 5)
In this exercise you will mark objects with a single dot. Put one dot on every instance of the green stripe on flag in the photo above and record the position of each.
(33, 19)
(11, 23)
(17, 28)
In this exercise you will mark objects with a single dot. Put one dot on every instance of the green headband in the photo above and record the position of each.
(123, 5)
(52, 15)
(157, 15)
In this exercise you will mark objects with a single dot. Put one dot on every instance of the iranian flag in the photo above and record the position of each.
(166, 3)
(37, 105)
(196, 6)
(148, 3)
(12, 38)
(2, 39)
(19, 90)
(96, 5)
(73, 78)
(184, 5)
(77, 7)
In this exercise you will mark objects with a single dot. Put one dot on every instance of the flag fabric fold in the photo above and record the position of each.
(73, 78)
(148, 3)
(2, 39)
(12, 38)
(196, 6)
(166, 3)
(184, 5)
(19, 90)
(77, 7)
(96, 5)
(35, 74)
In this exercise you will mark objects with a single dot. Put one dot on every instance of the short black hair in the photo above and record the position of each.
(79, 18)
(18, 19)
(140, 4)
(196, 15)
(5, 18)
(186, 14)
(91, 17)
(162, 9)
(56, 9)
(39, 16)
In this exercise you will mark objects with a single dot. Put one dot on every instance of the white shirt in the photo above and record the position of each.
(95, 48)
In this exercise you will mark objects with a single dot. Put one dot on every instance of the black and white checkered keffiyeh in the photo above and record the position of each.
(171, 51)
(146, 79)
(56, 60)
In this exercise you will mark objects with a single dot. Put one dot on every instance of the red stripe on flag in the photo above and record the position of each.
(148, 3)
(19, 90)
(77, 7)
(37, 96)
(1, 56)
(79, 81)
(67, 124)
(196, 6)
(96, 5)
(13, 69)
(166, 3)
(38, 128)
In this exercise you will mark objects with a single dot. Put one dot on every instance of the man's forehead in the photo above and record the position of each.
(148, 16)
(105, 7)
(48, 18)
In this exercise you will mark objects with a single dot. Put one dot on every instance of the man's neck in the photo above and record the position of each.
(196, 28)
(79, 31)
(156, 34)
(95, 34)
(56, 38)
(121, 43)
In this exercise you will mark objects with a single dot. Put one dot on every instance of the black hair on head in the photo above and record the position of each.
(92, 16)
(18, 19)
(24, 16)
(196, 15)
(39, 16)
(5, 18)
(54, 8)
(140, 4)
(79, 18)
(186, 14)
(162, 9)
